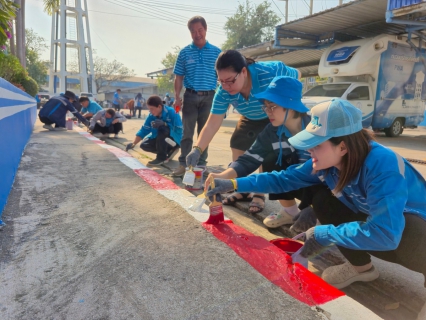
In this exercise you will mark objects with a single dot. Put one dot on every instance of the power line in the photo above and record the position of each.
(279, 9)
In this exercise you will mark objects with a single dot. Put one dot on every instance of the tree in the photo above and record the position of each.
(34, 46)
(165, 82)
(7, 13)
(109, 71)
(250, 25)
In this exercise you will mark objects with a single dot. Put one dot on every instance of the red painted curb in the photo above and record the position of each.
(274, 264)
(155, 180)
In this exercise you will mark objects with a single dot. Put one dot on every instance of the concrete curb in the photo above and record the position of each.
(293, 279)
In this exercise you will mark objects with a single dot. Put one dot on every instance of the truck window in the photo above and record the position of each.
(327, 90)
(359, 93)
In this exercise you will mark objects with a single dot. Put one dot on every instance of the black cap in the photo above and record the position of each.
(70, 95)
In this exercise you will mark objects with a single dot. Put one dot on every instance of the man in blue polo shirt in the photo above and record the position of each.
(116, 100)
(195, 69)
(89, 108)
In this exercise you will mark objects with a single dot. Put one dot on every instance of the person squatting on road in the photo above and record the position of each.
(55, 110)
(89, 108)
(271, 149)
(194, 68)
(378, 201)
(105, 122)
(239, 80)
(162, 123)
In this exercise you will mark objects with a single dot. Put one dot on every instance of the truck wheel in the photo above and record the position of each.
(395, 129)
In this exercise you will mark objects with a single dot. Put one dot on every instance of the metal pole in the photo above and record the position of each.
(340, 2)
(311, 7)
(286, 11)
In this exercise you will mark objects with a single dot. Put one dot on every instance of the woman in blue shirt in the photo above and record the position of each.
(240, 79)
(379, 202)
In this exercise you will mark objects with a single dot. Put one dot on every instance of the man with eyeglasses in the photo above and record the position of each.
(195, 69)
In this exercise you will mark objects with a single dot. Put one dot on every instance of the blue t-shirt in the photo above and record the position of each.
(198, 67)
(262, 74)
(116, 99)
(93, 107)
(108, 121)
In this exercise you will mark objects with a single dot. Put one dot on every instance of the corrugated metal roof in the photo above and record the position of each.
(360, 18)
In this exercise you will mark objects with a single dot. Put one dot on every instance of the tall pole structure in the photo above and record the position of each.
(71, 48)
(311, 7)
(286, 11)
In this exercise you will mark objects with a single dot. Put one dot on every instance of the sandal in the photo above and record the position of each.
(230, 200)
(259, 207)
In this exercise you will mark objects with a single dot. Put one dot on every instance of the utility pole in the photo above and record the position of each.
(311, 7)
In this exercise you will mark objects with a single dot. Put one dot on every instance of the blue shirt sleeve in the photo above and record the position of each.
(220, 102)
(180, 64)
(146, 128)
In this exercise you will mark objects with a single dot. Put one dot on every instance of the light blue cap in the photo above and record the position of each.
(335, 118)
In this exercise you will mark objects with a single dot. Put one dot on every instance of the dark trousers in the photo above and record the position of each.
(116, 107)
(195, 111)
(139, 109)
(411, 251)
(60, 123)
(113, 128)
(159, 145)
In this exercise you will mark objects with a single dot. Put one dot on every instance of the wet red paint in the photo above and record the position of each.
(155, 180)
(118, 152)
(289, 246)
(274, 264)
(98, 141)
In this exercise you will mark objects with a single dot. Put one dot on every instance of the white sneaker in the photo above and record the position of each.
(275, 220)
(49, 127)
(116, 136)
(345, 274)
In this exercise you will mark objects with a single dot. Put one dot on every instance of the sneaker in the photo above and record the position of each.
(60, 129)
(97, 134)
(104, 136)
(179, 172)
(116, 136)
(344, 274)
(49, 127)
(173, 153)
(275, 220)
(155, 162)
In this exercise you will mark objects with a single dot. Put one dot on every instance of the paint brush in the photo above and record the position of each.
(198, 203)
(215, 208)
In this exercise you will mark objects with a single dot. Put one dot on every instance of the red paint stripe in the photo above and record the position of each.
(275, 265)
(155, 180)
(118, 152)
(98, 141)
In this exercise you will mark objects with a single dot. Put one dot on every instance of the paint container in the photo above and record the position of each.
(289, 246)
(69, 124)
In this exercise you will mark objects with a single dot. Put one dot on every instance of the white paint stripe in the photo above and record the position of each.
(7, 94)
(105, 146)
(345, 308)
(132, 163)
(92, 138)
(10, 111)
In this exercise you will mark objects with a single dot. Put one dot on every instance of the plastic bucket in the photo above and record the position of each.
(290, 246)
(69, 124)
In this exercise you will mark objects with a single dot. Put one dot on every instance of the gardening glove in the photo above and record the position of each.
(311, 247)
(304, 220)
(129, 146)
(221, 186)
(296, 257)
(193, 157)
(157, 123)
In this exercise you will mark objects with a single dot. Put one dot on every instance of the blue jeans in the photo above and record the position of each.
(195, 111)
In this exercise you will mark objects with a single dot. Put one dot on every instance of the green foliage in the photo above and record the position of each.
(10, 68)
(50, 5)
(170, 60)
(165, 84)
(30, 86)
(250, 25)
(7, 13)
(35, 45)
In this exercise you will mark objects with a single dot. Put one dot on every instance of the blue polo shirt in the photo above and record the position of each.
(262, 73)
(92, 107)
(198, 66)
(116, 98)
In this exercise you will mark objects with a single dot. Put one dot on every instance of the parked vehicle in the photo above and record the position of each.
(91, 96)
(382, 76)
(44, 97)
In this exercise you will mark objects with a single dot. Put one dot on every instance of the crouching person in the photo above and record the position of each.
(55, 110)
(89, 108)
(105, 122)
(161, 132)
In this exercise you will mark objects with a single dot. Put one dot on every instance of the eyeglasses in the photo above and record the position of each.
(230, 82)
(269, 109)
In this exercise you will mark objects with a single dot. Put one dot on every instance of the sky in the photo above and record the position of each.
(139, 33)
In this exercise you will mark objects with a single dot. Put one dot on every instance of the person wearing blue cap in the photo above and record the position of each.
(239, 79)
(282, 102)
(379, 202)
